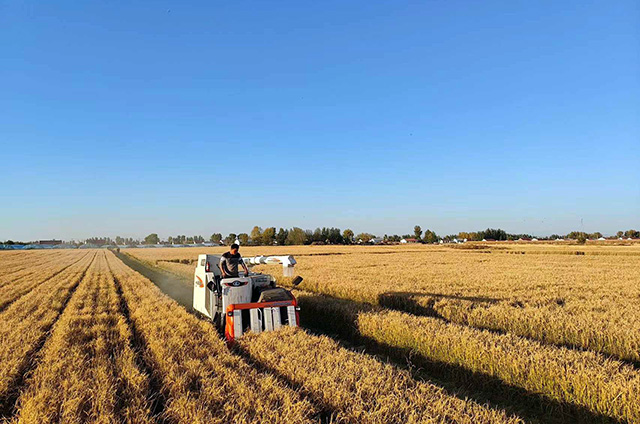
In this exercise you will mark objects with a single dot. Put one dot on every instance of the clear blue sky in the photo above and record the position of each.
(125, 118)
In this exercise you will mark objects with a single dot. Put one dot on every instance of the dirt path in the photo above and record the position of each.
(177, 288)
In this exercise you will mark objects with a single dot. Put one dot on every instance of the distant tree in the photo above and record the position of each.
(595, 236)
(230, 239)
(281, 237)
(580, 236)
(243, 238)
(632, 234)
(430, 237)
(364, 237)
(296, 236)
(620, 234)
(494, 234)
(417, 232)
(215, 238)
(152, 239)
(268, 236)
(317, 235)
(347, 236)
(334, 236)
(256, 235)
(119, 240)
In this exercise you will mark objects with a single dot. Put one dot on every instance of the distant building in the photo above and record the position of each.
(49, 242)
(409, 240)
(376, 240)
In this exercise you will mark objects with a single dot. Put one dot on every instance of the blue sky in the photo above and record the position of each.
(125, 118)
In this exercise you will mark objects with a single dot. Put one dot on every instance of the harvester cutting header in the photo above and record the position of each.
(248, 302)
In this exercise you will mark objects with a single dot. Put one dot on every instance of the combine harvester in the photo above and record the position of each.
(251, 302)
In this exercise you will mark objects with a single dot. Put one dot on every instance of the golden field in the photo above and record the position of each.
(94, 341)
(556, 322)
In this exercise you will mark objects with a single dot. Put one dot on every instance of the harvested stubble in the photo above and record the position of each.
(25, 325)
(32, 266)
(201, 381)
(37, 276)
(356, 388)
(15, 261)
(585, 379)
(87, 371)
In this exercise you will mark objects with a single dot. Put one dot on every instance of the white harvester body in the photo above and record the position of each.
(249, 302)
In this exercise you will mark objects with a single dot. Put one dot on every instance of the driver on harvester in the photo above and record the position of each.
(229, 262)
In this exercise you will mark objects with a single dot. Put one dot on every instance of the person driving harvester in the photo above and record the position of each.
(229, 262)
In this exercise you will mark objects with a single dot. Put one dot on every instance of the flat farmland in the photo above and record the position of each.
(556, 323)
(95, 341)
(491, 333)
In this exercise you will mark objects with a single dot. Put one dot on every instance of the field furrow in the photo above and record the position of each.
(359, 388)
(201, 381)
(25, 327)
(33, 265)
(38, 278)
(87, 371)
(585, 379)
(11, 262)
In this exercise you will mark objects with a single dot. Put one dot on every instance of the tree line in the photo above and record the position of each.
(330, 235)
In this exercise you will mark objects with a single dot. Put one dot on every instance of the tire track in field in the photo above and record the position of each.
(30, 362)
(5, 303)
(155, 397)
(326, 413)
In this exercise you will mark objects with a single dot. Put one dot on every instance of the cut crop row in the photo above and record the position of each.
(200, 380)
(87, 371)
(37, 277)
(31, 265)
(356, 387)
(25, 325)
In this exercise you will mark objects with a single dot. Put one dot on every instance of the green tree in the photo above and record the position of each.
(430, 237)
(230, 239)
(256, 235)
(243, 238)
(495, 234)
(417, 231)
(347, 236)
(152, 239)
(119, 240)
(334, 236)
(281, 237)
(296, 236)
(268, 236)
(620, 234)
(215, 238)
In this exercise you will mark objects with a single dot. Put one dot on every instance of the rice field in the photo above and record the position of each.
(490, 333)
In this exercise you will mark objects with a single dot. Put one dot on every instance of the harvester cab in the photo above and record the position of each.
(246, 303)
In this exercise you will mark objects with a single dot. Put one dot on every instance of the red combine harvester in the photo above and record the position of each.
(246, 303)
